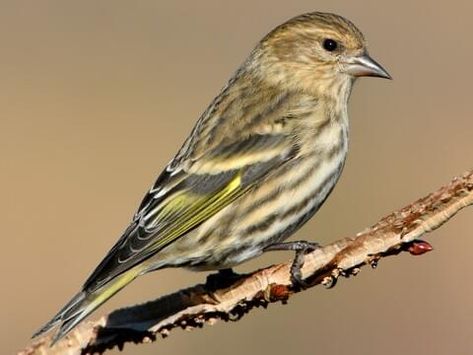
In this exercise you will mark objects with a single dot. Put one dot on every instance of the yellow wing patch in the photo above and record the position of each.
(193, 209)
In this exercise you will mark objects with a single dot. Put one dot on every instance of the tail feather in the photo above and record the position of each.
(83, 304)
(58, 317)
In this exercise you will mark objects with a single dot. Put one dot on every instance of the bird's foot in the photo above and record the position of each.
(301, 248)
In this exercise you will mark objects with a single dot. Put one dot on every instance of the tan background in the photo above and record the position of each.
(97, 96)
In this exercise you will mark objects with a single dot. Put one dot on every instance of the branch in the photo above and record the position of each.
(195, 306)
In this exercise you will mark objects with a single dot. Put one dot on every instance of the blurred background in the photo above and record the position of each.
(97, 96)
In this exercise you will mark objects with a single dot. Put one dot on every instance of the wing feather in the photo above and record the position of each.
(179, 202)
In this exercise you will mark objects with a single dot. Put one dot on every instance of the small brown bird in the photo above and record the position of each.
(258, 164)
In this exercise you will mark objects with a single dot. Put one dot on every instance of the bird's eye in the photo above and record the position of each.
(330, 45)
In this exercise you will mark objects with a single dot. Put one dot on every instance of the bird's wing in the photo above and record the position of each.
(190, 192)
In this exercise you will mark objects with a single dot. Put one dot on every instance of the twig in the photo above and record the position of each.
(197, 305)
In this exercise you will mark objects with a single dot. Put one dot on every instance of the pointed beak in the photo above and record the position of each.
(364, 65)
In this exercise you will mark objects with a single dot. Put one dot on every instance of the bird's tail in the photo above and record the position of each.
(84, 303)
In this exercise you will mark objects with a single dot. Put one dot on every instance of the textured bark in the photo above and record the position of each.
(198, 305)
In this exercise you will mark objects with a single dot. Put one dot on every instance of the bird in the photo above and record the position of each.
(258, 164)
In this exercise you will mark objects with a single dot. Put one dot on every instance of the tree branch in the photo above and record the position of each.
(197, 305)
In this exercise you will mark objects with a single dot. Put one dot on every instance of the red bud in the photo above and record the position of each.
(419, 247)
(279, 293)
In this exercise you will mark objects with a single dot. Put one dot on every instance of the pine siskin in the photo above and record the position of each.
(258, 164)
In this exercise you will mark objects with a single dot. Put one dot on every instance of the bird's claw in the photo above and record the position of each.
(301, 248)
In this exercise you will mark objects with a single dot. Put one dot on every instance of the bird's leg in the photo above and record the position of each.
(301, 247)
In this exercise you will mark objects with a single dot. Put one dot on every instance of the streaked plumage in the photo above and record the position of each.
(258, 164)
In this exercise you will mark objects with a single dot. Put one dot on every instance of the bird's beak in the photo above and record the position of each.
(364, 65)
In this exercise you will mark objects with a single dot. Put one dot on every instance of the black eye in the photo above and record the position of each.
(330, 45)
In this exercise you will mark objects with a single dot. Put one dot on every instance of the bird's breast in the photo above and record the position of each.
(275, 207)
(281, 204)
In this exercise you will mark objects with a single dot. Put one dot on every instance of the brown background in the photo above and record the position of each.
(97, 96)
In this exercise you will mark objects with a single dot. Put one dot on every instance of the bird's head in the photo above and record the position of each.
(316, 51)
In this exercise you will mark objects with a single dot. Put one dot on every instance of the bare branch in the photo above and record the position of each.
(197, 305)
